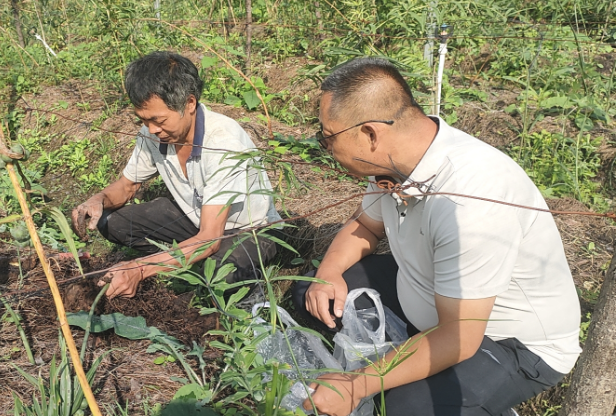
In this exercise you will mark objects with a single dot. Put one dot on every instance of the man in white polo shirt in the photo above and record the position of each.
(484, 287)
(203, 158)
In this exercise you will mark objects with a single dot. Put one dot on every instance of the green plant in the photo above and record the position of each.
(561, 166)
(584, 327)
(11, 316)
(61, 395)
(99, 178)
(224, 84)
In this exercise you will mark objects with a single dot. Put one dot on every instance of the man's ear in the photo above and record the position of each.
(191, 105)
(371, 134)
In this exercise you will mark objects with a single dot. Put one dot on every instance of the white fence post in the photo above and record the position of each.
(157, 8)
(445, 33)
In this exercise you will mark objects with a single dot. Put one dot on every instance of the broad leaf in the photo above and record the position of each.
(251, 99)
(131, 327)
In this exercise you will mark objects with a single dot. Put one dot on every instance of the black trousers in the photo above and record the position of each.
(499, 376)
(162, 220)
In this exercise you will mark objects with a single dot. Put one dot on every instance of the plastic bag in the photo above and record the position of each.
(366, 333)
(309, 352)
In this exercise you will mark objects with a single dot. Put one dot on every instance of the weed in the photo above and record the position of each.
(61, 394)
(561, 166)
(11, 316)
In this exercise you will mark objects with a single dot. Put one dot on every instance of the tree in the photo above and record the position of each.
(593, 385)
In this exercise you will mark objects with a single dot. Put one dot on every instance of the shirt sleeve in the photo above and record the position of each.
(140, 166)
(475, 247)
(371, 203)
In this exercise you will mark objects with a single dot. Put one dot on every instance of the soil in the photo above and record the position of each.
(128, 374)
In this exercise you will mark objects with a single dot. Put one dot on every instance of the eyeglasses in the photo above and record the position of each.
(321, 138)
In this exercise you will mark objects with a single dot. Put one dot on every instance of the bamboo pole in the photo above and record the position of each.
(51, 280)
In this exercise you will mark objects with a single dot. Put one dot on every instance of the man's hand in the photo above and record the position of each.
(112, 197)
(124, 279)
(340, 397)
(92, 209)
(318, 298)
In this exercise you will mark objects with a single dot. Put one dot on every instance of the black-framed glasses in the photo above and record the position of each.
(321, 138)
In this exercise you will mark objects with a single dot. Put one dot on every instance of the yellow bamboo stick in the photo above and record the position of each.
(51, 280)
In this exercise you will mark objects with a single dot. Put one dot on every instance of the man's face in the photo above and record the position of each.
(166, 124)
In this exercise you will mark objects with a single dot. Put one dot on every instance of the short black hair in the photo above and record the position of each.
(171, 77)
(353, 85)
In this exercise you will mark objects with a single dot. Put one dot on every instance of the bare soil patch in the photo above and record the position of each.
(127, 373)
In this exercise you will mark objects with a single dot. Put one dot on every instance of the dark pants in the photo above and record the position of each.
(499, 376)
(162, 220)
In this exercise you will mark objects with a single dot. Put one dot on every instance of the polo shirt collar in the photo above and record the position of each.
(199, 132)
(198, 137)
(424, 174)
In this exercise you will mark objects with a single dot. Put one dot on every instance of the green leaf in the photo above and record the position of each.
(221, 346)
(208, 61)
(131, 327)
(10, 218)
(237, 296)
(67, 232)
(209, 267)
(207, 311)
(281, 243)
(160, 360)
(235, 397)
(187, 408)
(561, 102)
(233, 100)
(584, 123)
(193, 391)
(190, 279)
(251, 99)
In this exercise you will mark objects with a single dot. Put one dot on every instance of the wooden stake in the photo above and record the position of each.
(51, 280)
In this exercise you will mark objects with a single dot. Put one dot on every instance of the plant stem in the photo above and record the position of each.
(16, 319)
(89, 323)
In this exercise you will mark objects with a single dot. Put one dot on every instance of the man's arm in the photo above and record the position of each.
(126, 276)
(114, 196)
(358, 238)
(461, 328)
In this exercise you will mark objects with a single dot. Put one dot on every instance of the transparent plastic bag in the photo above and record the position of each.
(309, 351)
(366, 334)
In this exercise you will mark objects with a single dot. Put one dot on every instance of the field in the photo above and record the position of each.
(535, 80)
